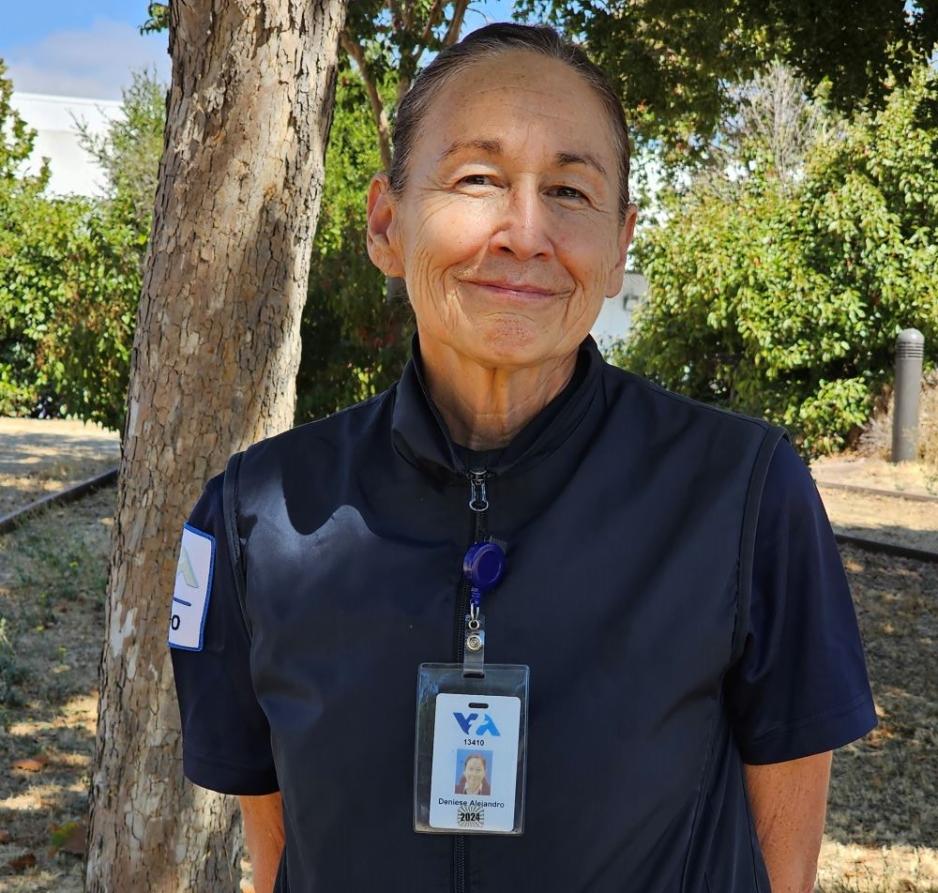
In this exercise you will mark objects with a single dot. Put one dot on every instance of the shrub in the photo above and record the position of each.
(355, 337)
(782, 298)
(70, 277)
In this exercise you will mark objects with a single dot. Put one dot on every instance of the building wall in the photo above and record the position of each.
(53, 118)
(615, 317)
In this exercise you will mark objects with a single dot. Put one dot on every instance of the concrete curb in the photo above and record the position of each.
(886, 548)
(876, 491)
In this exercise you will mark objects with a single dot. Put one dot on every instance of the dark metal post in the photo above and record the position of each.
(910, 349)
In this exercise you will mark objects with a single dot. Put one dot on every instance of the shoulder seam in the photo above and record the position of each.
(747, 535)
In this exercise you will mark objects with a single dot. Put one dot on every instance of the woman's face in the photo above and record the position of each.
(474, 772)
(508, 231)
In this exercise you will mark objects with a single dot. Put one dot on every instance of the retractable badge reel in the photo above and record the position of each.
(469, 764)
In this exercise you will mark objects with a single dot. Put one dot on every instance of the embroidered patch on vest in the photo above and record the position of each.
(192, 589)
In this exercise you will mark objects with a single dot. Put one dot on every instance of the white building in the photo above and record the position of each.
(615, 318)
(53, 118)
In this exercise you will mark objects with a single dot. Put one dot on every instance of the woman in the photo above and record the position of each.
(474, 777)
(672, 581)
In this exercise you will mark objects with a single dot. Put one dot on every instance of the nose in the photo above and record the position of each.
(524, 229)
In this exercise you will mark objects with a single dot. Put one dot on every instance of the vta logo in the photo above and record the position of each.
(186, 570)
(488, 724)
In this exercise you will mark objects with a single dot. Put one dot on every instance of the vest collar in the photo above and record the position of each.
(420, 435)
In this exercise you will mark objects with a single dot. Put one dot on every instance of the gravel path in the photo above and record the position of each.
(40, 456)
(884, 518)
(866, 471)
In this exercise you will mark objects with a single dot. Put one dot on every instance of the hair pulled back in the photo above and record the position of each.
(485, 43)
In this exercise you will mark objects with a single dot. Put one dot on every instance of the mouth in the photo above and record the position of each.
(519, 290)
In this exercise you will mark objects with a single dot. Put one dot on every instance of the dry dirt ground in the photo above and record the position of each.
(883, 518)
(878, 473)
(882, 833)
(38, 457)
(905, 522)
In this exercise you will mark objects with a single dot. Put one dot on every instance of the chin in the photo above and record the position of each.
(509, 343)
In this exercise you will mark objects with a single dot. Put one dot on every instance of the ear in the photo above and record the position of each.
(626, 232)
(382, 212)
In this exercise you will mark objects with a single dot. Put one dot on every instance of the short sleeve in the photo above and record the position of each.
(226, 737)
(800, 686)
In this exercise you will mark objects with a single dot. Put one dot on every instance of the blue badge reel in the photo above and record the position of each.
(471, 735)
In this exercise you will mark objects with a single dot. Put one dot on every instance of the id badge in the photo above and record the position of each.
(471, 753)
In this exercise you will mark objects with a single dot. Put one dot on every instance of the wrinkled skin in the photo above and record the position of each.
(508, 233)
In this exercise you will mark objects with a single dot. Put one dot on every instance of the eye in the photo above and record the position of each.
(568, 192)
(475, 180)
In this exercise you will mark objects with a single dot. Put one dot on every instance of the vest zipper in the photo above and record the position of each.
(479, 504)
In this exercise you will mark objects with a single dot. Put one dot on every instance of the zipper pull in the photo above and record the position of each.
(478, 500)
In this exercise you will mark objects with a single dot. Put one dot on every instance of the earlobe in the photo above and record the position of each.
(381, 221)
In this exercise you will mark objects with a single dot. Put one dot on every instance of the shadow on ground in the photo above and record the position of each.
(40, 456)
(884, 789)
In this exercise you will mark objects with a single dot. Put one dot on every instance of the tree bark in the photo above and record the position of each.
(214, 364)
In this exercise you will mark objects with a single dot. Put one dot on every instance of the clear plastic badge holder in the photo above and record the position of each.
(471, 750)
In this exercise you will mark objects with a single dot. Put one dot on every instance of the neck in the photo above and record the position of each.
(485, 407)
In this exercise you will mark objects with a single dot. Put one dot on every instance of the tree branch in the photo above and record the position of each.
(356, 52)
(403, 85)
(435, 10)
(397, 16)
(459, 13)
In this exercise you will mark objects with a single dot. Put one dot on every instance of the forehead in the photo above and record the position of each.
(521, 99)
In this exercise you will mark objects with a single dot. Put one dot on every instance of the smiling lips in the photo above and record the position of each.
(513, 288)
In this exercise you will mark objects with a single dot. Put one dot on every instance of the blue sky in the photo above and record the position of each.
(74, 48)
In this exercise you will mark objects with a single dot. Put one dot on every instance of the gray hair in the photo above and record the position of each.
(490, 41)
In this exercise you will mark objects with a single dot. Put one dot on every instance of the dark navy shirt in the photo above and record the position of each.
(799, 686)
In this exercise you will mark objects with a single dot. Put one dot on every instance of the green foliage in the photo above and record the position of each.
(130, 152)
(675, 61)
(16, 141)
(87, 349)
(783, 299)
(19, 194)
(70, 274)
(354, 338)
(39, 237)
(157, 18)
(395, 35)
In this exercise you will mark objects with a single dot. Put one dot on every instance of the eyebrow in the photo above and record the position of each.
(565, 158)
(490, 147)
(494, 147)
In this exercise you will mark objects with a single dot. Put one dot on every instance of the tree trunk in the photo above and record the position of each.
(213, 369)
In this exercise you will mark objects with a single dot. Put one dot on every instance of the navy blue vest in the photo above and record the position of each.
(629, 521)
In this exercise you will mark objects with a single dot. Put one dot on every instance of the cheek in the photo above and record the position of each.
(445, 240)
(450, 232)
(589, 255)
